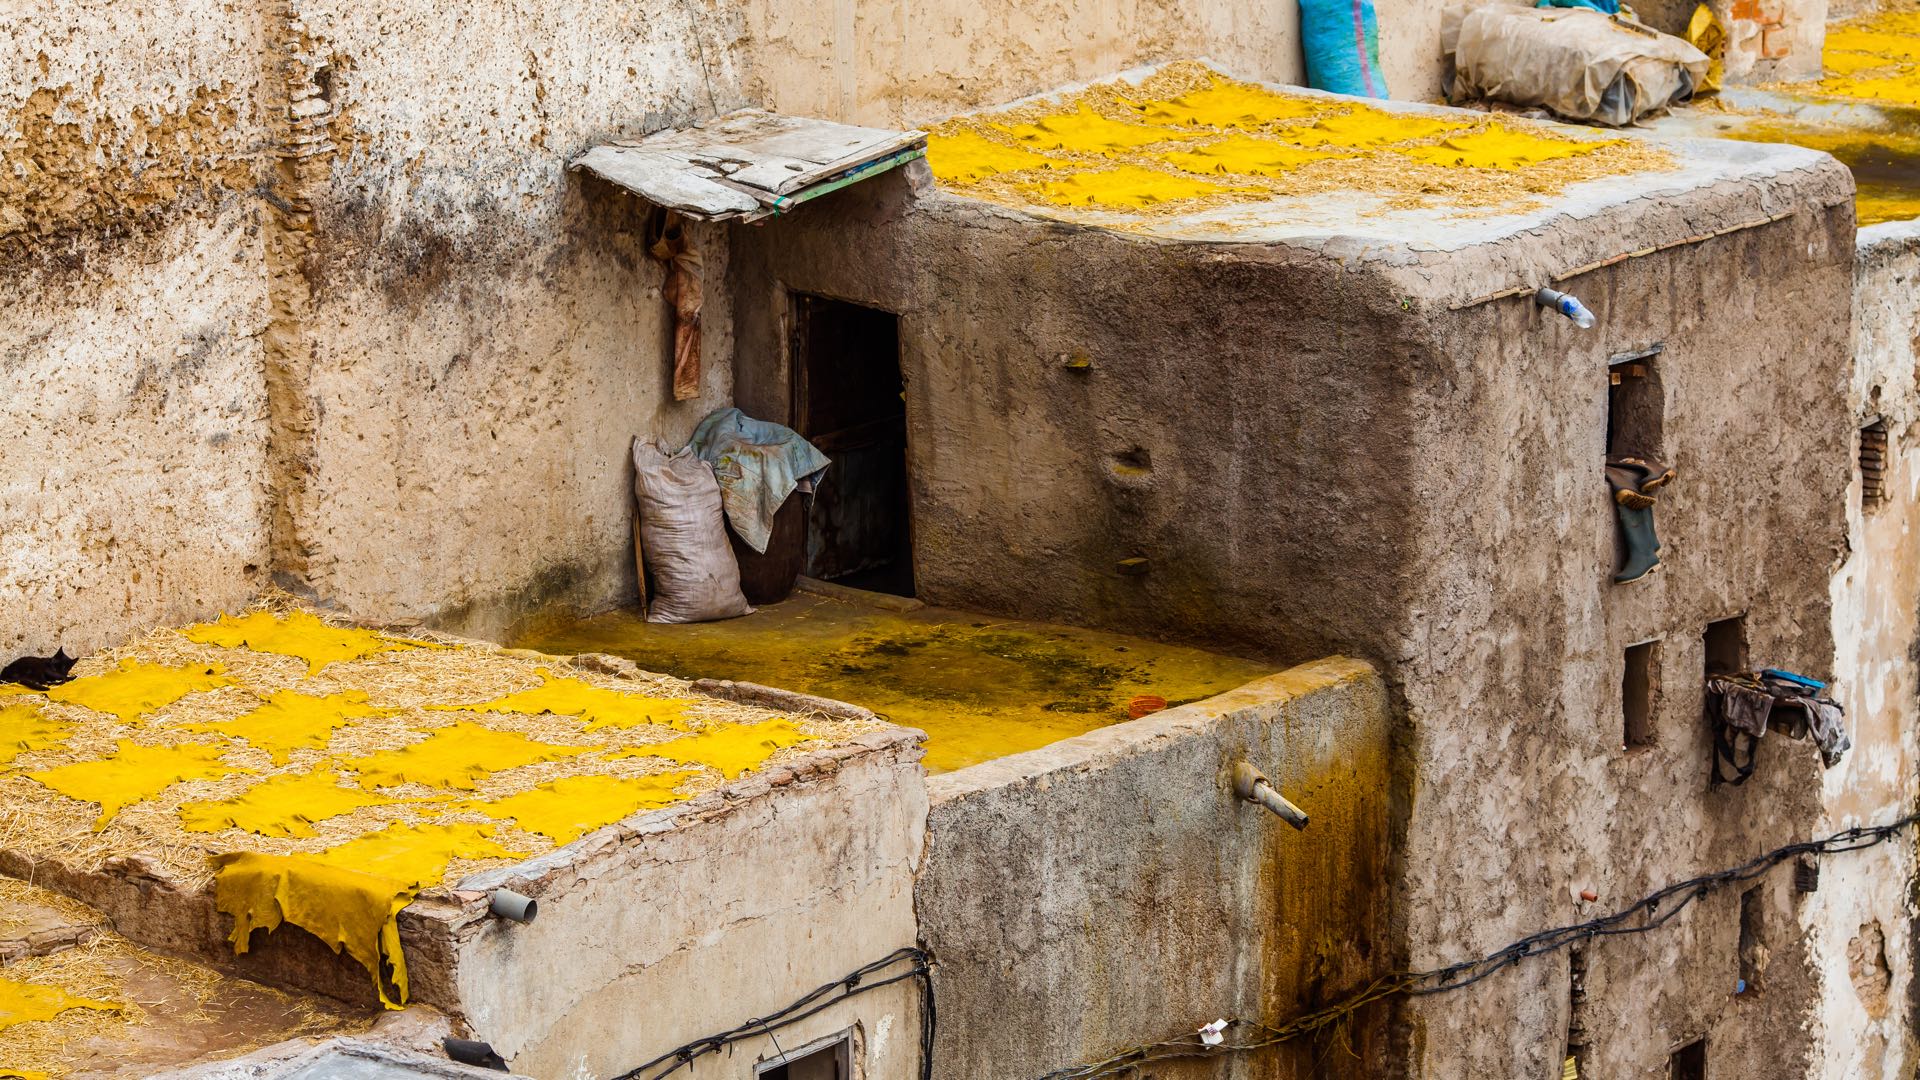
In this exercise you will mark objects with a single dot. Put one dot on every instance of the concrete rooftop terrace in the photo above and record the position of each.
(283, 770)
(1181, 151)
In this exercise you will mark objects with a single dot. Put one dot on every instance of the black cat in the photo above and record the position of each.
(39, 672)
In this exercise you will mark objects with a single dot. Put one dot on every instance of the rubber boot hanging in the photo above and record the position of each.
(1634, 481)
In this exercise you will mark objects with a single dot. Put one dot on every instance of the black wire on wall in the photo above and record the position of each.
(1658, 908)
(821, 998)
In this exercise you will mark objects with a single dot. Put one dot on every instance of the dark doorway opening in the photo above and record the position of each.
(849, 400)
(1689, 1062)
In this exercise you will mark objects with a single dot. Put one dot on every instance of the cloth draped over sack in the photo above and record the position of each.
(683, 539)
(1576, 61)
(758, 465)
(684, 288)
(1744, 707)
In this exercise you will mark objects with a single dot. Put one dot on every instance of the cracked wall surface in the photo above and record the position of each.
(651, 937)
(1860, 923)
(132, 303)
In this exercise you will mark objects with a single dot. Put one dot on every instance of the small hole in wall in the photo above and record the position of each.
(1725, 646)
(1634, 408)
(1639, 687)
(1873, 465)
(323, 82)
(1753, 949)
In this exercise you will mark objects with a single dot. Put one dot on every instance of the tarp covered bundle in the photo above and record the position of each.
(1578, 62)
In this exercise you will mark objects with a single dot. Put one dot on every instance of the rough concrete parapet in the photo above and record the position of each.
(1111, 889)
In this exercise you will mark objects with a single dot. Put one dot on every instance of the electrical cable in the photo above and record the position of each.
(1654, 906)
(819, 999)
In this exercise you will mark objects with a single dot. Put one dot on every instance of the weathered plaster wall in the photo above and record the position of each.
(484, 332)
(1111, 889)
(697, 919)
(132, 299)
(1525, 794)
(1860, 923)
(1316, 451)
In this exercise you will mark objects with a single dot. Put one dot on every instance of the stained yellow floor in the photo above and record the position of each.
(980, 688)
(1864, 110)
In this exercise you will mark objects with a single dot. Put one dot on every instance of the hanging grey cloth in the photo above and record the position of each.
(758, 464)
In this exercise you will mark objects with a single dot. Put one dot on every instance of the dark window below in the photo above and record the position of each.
(1634, 407)
(1689, 1062)
(1639, 686)
(1873, 465)
(1725, 643)
(1752, 940)
(830, 1062)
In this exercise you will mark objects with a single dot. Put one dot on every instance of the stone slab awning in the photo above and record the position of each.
(749, 165)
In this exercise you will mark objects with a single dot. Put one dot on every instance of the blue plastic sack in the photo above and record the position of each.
(1342, 43)
(1604, 7)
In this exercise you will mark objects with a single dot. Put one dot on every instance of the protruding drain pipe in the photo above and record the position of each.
(1251, 785)
(511, 905)
(1566, 304)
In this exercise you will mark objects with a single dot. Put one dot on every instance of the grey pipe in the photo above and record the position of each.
(1251, 785)
(511, 905)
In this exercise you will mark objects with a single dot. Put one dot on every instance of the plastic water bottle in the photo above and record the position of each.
(1567, 305)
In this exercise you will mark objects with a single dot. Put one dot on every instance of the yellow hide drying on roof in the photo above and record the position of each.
(1246, 156)
(1123, 187)
(285, 805)
(25, 1003)
(1502, 148)
(1235, 105)
(291, 721)
(299, 634)
(1087, 132)
(133, 773)
(571, 806)
(456, 756)
(733, 749)
(968, 157)
(8, 689)
(134, 689)
(347, 896)
(24, 728)
(600, 708)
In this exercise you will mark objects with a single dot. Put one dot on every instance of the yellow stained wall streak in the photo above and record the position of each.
(571, 806)
(285, 805)
(733, 749)
(23, 728)
(25, 1003)
(600, 708)
(300, 634)
(134, 689)
(292, 721)
(348, 896)
(456, 756)
(133, 773)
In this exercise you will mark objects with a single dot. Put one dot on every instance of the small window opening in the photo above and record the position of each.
(1634, 406)
(832, 1061)
(1873, 465)
(1753, 951)
(1726, 646)
(1689, 1062)
(1639, 686)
